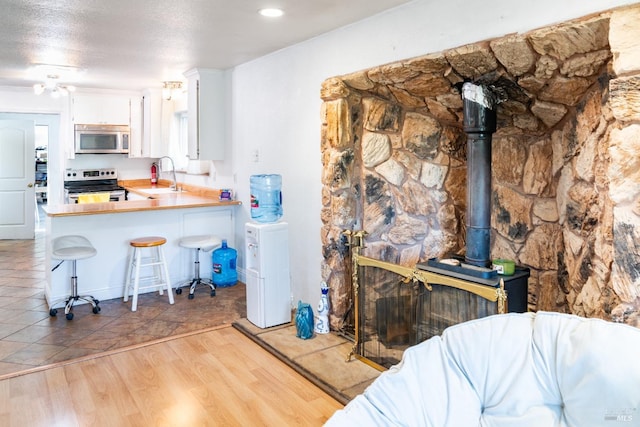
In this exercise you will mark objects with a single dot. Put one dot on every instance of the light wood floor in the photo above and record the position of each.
(213, 378)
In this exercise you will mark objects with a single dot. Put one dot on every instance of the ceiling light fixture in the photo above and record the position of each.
(169, 89)
(271, 12)
(51, 83)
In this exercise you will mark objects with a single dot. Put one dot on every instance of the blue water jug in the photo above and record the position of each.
(224, 272)
(266, 198)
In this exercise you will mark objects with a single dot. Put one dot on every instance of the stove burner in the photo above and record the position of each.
(103, 188)
(92, 181)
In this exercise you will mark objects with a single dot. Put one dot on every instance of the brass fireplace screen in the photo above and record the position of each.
(396, 307)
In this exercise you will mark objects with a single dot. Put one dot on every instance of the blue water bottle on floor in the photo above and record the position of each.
(224, 272)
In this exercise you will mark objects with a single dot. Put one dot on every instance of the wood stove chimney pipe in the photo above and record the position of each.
(479, 120)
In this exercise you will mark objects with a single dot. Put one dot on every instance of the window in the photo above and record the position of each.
(42, 137)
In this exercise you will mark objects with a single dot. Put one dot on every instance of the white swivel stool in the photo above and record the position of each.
(159, 279)
(72, 248)
(205, 243)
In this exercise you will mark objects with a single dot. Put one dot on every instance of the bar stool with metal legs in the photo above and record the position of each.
(205, 243)
(160, 278)
(72, 248)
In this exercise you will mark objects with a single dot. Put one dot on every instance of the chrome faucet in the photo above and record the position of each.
(174, 186)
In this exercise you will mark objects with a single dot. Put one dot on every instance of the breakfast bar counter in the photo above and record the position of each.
(147, 197)
(177, 201)
(110, 226)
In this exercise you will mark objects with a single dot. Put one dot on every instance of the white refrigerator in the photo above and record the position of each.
(267, 271)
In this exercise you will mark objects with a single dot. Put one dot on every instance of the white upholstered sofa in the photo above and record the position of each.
(511, 370)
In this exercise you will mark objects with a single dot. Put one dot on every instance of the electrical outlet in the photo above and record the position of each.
(255, 155)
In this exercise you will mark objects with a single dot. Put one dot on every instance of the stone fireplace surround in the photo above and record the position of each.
(565, 162)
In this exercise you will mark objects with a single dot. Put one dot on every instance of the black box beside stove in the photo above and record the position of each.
(516, 285)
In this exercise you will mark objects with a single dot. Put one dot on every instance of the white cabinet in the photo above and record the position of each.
(152, 137)
(136, 129)
(206, 109)
(148, 134)
(146, 127)
(101, 109)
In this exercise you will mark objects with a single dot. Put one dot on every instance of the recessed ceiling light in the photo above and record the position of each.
(271, 12)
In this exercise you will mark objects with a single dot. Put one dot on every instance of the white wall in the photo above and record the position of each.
(276, 99)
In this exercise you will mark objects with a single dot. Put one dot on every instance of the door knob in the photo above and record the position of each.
(30, 185)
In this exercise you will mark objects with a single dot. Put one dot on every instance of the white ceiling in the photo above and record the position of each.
(136, 44)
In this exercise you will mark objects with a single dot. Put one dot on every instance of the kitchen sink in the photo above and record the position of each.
(160, 190)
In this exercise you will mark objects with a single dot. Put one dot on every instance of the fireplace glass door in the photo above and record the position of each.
(395, 312)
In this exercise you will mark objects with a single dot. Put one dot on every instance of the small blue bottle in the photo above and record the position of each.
(224, 272)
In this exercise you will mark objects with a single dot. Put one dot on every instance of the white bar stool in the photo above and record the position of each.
(205, 243)
(155, 260)
(72, 248)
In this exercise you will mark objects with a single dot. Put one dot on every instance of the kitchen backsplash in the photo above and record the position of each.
(199, 173)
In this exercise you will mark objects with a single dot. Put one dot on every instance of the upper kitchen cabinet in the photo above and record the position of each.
(101, 109)
(206, 114)
(153, 137)
(148, 138)
(136, 129)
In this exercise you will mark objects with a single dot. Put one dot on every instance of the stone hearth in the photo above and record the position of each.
(565, 163)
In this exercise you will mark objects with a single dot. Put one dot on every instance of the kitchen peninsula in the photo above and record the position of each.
(110, 226)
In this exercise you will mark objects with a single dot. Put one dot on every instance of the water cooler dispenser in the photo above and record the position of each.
(268, 279)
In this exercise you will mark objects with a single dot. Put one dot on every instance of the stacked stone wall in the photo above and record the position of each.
(566, 187)
(623, 172)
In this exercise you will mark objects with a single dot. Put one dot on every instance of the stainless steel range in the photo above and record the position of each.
(86, 181)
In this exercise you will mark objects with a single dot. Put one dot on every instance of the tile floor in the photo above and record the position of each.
(29, 337)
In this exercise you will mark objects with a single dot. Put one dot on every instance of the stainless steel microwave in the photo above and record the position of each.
(102, 139)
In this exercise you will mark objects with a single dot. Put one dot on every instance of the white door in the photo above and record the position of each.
(17, 175)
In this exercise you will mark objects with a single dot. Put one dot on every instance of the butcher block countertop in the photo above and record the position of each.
(190, 197)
